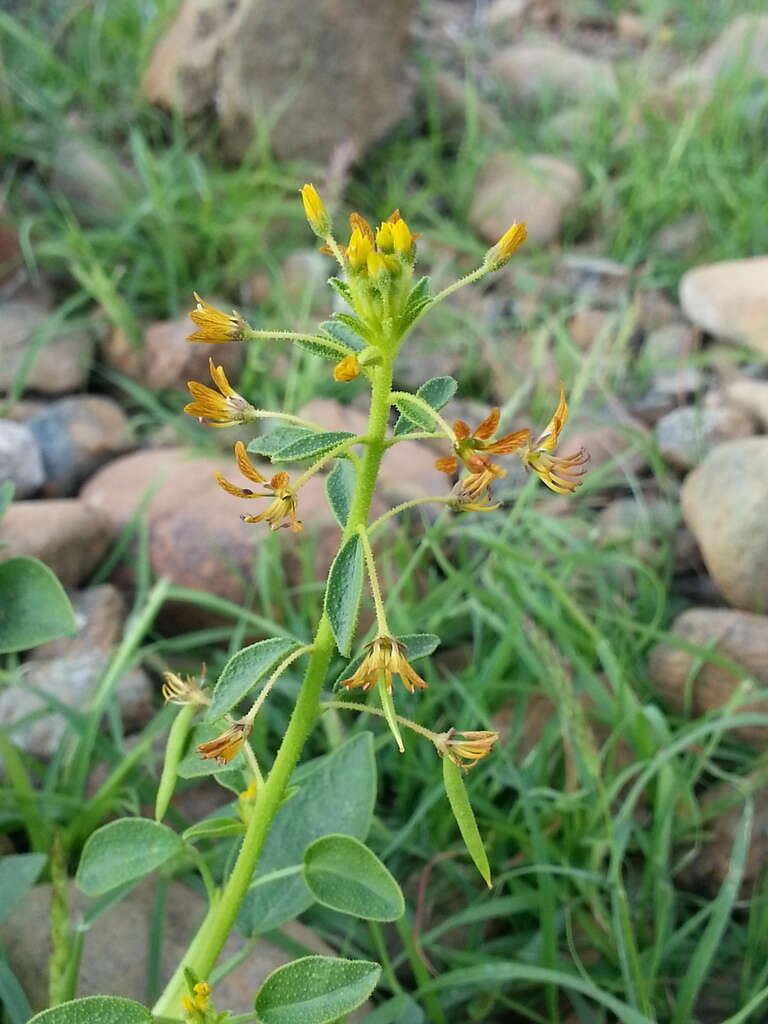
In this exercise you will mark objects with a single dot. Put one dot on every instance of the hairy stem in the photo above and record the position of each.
(207, 944)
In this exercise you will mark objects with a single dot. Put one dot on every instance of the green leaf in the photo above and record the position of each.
(13, 998)
(417, 645)
(399, 1010)
(96, 1010)
(6, 496)
(315, 990)
(18, 873)
(123, 850)
(174, 751)
(336, 794)
(418, 300)
(244, 670)
(34, 607)
(326, 349)
(211, 828)
(271, 442)
(356, 327)
(436, 392)
(343, 333)
(340, 489)
(343, 591)
(343, 874)
(312, 446)
(465, 818)
(341, 288)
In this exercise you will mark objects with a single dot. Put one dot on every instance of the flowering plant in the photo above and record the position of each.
(383, 301)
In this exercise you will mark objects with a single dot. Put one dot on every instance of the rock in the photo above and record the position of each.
(540, 73)
(742, 47)
(594, 281)
(90, 179)
(666, 350)
(77, 435)
(619, 444)
(685, 435)
(751, 396)
(730, 300)
(540, 190)
(740, 637)
(167, 359)
(241, 59)
(20, 459)
(724, 502)
(682, 237)
(653, 309)
(451, 92)
(62, 532)
(639, 527)
(588, 325)
(504, 18)
(123, 930)
(71, 680)
(62, 362)
(631, 28)
(569, 126)
(100, 616)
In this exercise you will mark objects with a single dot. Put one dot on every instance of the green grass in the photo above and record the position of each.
(588, 916)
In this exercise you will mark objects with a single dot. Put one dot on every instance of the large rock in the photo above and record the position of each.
(62, 361)
(100, 615)
(730, 300)
(313, 79)
(122, 930)
(685, 435)
(21, 461)
(546, 71)
(64, 533)
(77, 435)
(70, 680)
(724, 502)
(690, 680)
(166, 359)
(751, 396)
(742, 47)
(540, 190)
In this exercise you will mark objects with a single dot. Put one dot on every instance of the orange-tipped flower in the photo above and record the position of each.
(560, 473)
(466, 748)
(282, 510)
(224, 747)
(182, 691)
(473, 447)
(348, 369)
(315, 211)
(473, 492)
(506, 246)
(385, 659)
(215, 326)
(222, 408)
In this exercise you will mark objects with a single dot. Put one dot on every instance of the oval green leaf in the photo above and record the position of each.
(212, 828)
(312, 446)
(340, 488)
(343, 874)
(244, 670)
(343, 591)
(96, 1010)
(123, 851)
(315, 990)
(465, 818)
(436, 393)
(271, 442)
(34, 607)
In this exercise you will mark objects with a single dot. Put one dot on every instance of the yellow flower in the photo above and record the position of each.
(315, 211)
(388, 249)
(560, 473)
(182, 691)
(347, 369)
(473, 492)
(359, 248)
(283, 506)
(215, 326)
(222, 408)
(202, 992)
(224, 747)
(404, 240)
(466, 748)
(385, 659)
(473, 447)
(501, 253)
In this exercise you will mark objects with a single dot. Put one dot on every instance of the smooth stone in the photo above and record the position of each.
(729, 300)
(21, 461)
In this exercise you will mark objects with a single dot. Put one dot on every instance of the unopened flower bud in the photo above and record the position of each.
(501, 253)
(348, 369)
(315, 211)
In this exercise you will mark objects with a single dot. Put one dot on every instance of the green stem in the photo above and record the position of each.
(404, 506)
(373, 579)
(207, 944)
(366, 709)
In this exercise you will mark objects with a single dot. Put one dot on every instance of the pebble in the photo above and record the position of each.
(76, 435)
(751, 396)
(596, 281)
(736, 635)
(540, 190)
(21, 461)
(100, 615)
(741, 46)
(90, 179)
(546, 72)
(667, 351)
(685, 435)
(65, 533)
(730, 300)
(724, 502)
(62, 363)
(588, 326)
